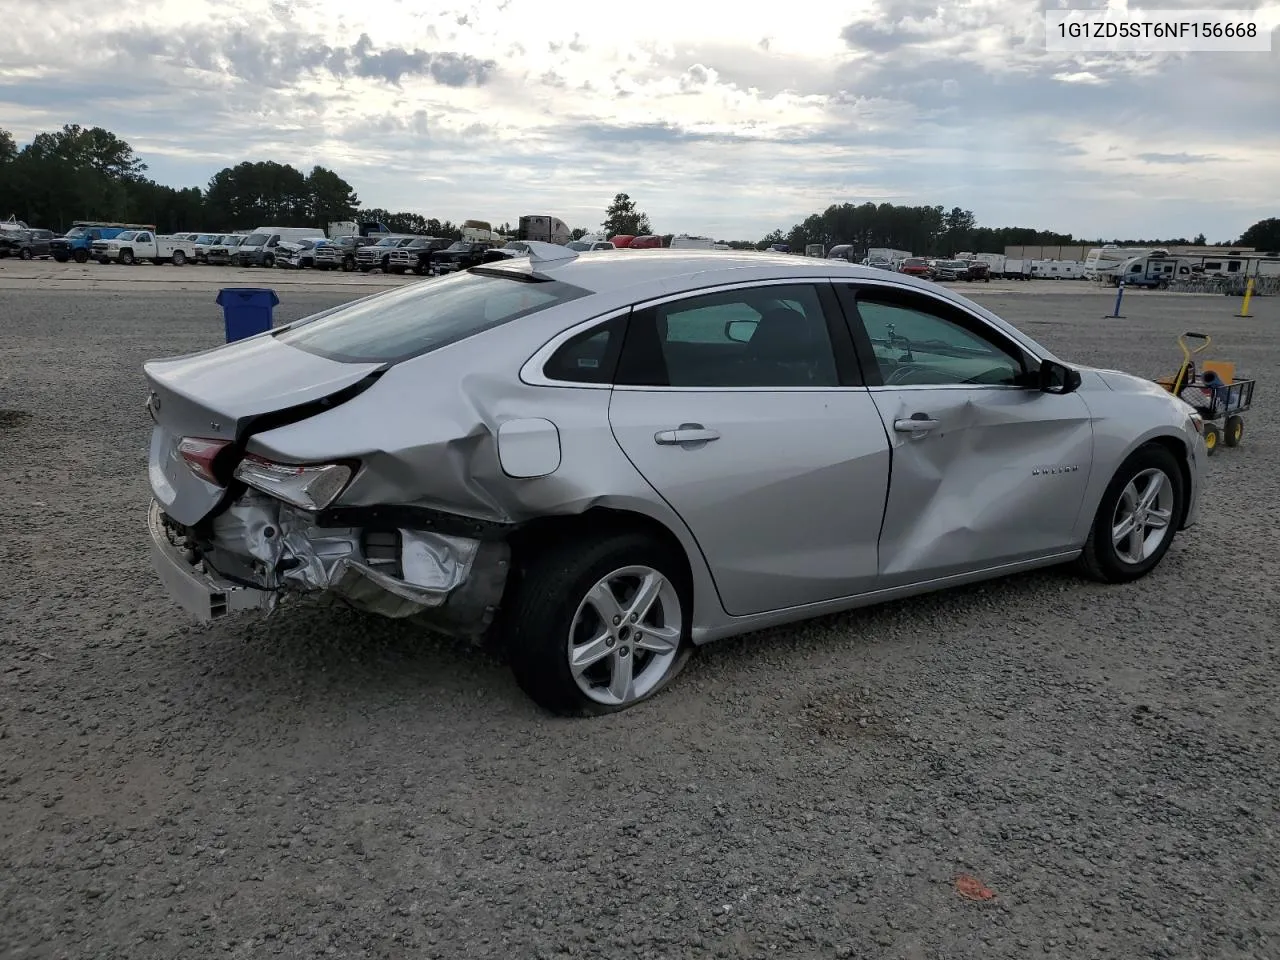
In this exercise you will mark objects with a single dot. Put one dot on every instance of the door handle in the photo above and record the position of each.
(918, 423)
(686, 433)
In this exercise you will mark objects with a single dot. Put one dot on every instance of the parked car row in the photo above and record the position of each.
(25, 243)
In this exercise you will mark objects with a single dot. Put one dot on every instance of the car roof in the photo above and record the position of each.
(664, 272)
(678, 270)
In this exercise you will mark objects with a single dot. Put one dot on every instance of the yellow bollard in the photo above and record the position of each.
(1248, 295)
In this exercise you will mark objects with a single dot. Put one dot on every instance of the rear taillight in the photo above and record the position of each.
(199, 455)
(311, 486)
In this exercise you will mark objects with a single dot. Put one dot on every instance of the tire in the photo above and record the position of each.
(1212, 438)
(61, 257)
(348, 264)
(179, 258)
(550, 605)
(81, 256)
(24, 254)
(1233, 430)
(1109, 559)
(126, 257)
(269, 260)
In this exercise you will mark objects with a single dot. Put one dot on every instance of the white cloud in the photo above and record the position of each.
(719, 118)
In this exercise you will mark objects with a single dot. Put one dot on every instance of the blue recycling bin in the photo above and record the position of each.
(246, 311)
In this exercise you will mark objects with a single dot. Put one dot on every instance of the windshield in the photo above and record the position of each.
(127, 235)
(206, 238)
(76, 232)
(578, 245)
(256, 239)
(914, 262)
(460, 245)
(417, 319)
(389, 242)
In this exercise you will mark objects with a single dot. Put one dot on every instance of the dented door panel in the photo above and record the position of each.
(1000, 478)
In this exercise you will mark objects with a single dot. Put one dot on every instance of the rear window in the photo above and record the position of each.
(422, 317)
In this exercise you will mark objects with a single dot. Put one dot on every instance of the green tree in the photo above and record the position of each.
(1263, 235)
(330, 197)
(8, 148)
(622, 217)
(578, 233)
(1200, 240)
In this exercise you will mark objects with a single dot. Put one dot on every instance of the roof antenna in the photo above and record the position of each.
(542, 252)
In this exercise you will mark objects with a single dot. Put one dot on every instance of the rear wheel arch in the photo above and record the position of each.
(594, 524)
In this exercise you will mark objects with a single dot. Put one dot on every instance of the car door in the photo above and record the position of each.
(986, 470)
(743, 408)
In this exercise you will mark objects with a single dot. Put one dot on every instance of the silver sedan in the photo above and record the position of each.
(601, 462)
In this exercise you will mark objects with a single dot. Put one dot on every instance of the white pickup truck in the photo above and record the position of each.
(134, 245)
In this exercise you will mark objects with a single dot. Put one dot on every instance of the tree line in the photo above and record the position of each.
(79, 173)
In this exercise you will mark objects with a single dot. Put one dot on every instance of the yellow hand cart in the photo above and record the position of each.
(1214, 390)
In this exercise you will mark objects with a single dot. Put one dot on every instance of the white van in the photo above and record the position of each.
(258, 249)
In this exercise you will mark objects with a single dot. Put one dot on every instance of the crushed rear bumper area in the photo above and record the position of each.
(262, 551)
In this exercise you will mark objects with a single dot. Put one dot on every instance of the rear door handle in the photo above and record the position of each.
(686, 433)
(916, 424)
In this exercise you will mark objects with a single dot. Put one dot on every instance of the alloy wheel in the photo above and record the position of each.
(1143, 516)
(625, 636)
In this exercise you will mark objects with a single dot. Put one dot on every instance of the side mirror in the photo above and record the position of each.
(740, 331)
(1056, 378)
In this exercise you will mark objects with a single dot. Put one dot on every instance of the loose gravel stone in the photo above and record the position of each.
(1104, 759)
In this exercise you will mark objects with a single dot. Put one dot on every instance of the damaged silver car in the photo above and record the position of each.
(600, 462)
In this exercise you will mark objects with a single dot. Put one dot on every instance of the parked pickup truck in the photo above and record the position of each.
(378, 255)
(220, 253)
(417, 255)
(25, 244)
(78, 243)
(460, 256)
(134, 245)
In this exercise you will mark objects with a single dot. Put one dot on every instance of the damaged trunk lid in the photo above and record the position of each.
(226, 394)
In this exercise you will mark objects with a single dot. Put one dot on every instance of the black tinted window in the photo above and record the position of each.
(416, 319)
(770, 336)
(590, 357)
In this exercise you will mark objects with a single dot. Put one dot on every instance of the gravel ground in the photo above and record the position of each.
(1105, 760)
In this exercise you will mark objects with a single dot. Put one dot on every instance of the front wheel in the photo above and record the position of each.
(348, 264)
(81, 256)
(1137, 518)
(596, 627)
(269, 261)
(126, 257)
(24, 254)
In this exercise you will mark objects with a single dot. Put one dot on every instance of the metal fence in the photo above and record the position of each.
(1229, 286)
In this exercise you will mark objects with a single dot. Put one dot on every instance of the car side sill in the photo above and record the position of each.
(776, 618)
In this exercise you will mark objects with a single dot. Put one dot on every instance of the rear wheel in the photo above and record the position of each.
(179, 258)
(1136, 519)
(596, 627)
(1233, 430)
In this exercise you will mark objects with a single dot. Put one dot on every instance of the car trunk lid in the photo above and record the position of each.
(227, 394)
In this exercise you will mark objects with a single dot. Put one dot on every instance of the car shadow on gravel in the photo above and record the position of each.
(320, 654)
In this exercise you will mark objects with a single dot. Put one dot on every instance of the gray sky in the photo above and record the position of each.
(718, 117)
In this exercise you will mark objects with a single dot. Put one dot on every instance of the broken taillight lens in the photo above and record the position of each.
(199, 455)
(310, 486)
